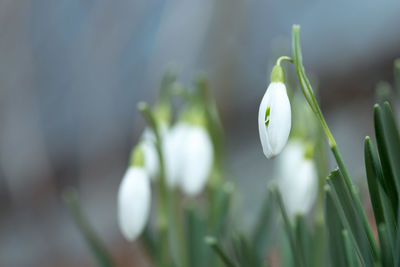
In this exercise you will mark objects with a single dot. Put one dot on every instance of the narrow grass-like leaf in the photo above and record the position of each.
(397, 74)
(150, 242)
(245, 252)
(303, 239)
(262, 233)
(198, 253)
(349, 250)
(393, 139)
(374, 175)
(390, 221)
(319, 244)
(386, 247)
(397, 250)
(297, 254)
(96, 246)
(334, 230)
(213, 243)
(219, 208)
(389, 184)
(352, 219)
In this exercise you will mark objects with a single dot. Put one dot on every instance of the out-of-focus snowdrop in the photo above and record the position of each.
(274, 115)
(189, 153)
(134, 197)
(297, 178)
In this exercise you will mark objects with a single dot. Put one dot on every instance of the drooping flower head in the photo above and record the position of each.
(274, 115)
(134, 197)
(189, 153)
(297, 178)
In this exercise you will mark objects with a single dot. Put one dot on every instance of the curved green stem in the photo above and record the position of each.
(312, 101)
(279, 60)
(306, 85)
(162, 222)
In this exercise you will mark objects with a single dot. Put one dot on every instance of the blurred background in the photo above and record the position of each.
(71, 73)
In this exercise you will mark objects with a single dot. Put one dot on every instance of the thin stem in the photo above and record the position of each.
(213, 243)
(306, 85)
(179, 228)
(278, 62)
(309, 94)
(162, 222)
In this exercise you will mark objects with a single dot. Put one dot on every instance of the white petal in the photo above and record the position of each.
(274, 137)
(134, 199)
(298, 180)
(265, 103)
(173, 147)
(197, 161)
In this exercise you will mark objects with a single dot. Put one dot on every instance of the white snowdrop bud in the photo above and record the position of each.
(198, 160)
(134, 197)
(297, 178)
(174, 149)
(274, 115)
(189, 157)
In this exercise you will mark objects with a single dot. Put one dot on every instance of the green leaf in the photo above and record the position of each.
(352, 218)
(297, 253)
(196, 230)
(96, 246)
(150, 242)
(397, 73)
(349, 249)
(319, 244)
(245, 252)
(334, 230)
(262, 233)
(213, 243)
(386, 156)
(393, 138)
(390, 221)
(220, 203)
(304, 239)
(374, 175)
(386, 247)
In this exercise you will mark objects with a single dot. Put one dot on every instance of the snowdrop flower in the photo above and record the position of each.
(197, 160)
(298, 180)
(274, 115)
(134, 197)
(188, 156)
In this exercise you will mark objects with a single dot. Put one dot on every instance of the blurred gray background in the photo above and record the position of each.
(71, 73)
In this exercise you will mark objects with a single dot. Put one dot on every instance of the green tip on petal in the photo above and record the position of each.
(137, 156)
(277, 74)
(267, 112)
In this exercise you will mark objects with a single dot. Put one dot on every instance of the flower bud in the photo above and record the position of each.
(274, 115)
(189, 157)
(298, 178)
(198, 161)
(134, 197)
